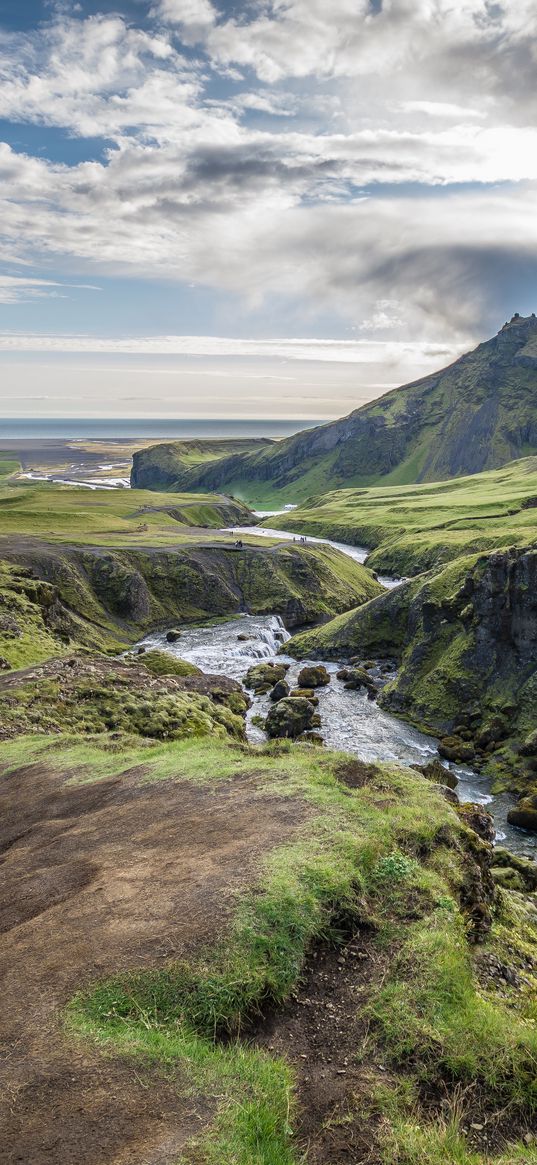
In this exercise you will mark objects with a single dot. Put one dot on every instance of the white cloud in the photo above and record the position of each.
(422, 92)
(21, 288)
(196, 16)
(317, 350)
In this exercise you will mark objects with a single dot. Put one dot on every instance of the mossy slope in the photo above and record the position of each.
(410, 529)
(89, 695)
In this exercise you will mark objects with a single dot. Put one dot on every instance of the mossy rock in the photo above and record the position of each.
(492, 732)
(313, 677)
(455, 749)
(529, 746)
(279, 691)
(523, 867)
(160, 663)
(290, 718)
(524, 814)
(507, 879)
(261, 677)
(305, 693)
(355, 678)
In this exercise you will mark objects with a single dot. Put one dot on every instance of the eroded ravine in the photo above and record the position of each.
(350, 721)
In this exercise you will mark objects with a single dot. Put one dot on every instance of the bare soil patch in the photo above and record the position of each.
(99, 879)
(322, 1031)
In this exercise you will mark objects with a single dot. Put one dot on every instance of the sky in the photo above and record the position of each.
(281, 208)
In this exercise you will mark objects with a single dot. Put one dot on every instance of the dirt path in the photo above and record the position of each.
(95, 879)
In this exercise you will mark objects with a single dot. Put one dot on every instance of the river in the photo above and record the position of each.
(350, 721)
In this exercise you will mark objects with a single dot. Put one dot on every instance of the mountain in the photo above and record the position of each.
(476, 414)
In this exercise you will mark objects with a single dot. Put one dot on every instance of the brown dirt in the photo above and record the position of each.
(322, 1031)
(97, 879)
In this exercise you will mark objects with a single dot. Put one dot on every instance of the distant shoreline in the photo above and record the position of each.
(117, 429)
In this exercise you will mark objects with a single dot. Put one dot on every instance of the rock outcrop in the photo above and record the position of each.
(103, 596)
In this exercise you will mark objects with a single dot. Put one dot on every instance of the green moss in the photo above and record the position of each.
(161, 663)
(110, 702)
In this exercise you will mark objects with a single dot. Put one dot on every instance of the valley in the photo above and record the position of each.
(269, 798)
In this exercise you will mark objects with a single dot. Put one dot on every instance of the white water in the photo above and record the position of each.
(350, 721)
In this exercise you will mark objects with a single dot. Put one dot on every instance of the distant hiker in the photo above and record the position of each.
(238, 544)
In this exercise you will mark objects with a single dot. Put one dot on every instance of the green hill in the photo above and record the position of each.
(411, 528)
(160, 466)
(477, 414)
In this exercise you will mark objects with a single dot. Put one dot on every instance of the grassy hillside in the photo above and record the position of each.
(338, 921)
(413, 528)
(477, 414)
(162, 465)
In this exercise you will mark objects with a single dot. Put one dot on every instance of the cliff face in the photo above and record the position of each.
(98, 597)
(160, 466)
(477, 414)
(466, 644)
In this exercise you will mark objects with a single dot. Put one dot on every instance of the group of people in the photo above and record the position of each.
(239, 543)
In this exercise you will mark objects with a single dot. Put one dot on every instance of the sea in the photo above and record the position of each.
(75, 427)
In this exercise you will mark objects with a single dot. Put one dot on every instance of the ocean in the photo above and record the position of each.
(71, 428)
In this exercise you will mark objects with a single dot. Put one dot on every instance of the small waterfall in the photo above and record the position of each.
(268, 640)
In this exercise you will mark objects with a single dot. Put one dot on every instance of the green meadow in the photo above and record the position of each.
(116, 517)
(411, 528)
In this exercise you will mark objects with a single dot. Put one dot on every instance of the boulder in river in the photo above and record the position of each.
(314, 676)
(290, 718)
(455, 749)
(305, 693)
(355, 678)
(524, 814)
(173, 635)
(279, 691)
(261, 677)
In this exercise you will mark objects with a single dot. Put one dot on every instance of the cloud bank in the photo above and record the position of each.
(373, 159)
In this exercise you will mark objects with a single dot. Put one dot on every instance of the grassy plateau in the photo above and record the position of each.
(413, 528)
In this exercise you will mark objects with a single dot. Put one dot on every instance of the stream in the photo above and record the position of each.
(350, 721)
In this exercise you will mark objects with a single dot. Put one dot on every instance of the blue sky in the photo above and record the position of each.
(346, 185)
